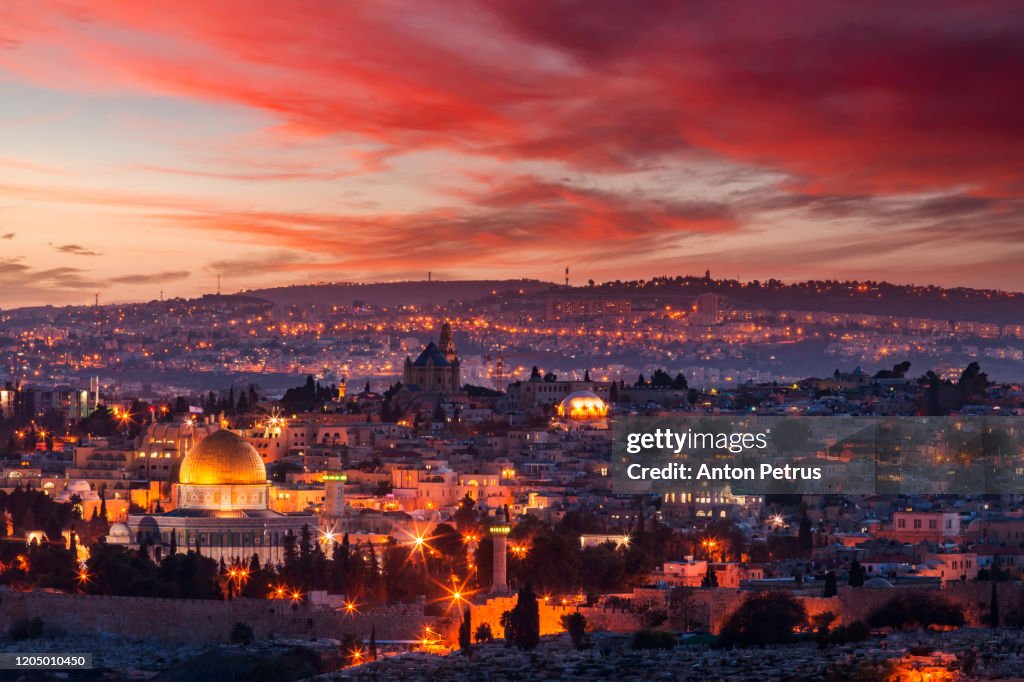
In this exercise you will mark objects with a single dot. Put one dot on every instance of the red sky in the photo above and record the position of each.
(150, 146)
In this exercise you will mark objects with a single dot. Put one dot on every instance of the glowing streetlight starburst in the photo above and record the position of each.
(519, 551)
(419, 542)
(328, 536)
(457, 595)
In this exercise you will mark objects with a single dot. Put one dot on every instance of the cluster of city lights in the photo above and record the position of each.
(283, 592)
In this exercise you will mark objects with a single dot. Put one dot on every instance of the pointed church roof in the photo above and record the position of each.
(432, 355)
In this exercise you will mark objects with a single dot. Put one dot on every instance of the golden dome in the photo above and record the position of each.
(582, 405)
(222, 458)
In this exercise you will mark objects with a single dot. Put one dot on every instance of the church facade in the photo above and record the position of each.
(436, 369)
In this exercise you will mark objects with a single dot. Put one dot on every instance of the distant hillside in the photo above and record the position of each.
(394, 293)
(869, 298)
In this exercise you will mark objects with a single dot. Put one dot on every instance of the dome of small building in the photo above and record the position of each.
(79, 486)
(119, 530)
(222, 458)
(878, 582)
(582, 405)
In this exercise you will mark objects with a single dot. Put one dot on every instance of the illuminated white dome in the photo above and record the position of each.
(119, 534)
(582, 405)
(79, 487)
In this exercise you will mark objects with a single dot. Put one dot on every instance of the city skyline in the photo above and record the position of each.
(325, 143)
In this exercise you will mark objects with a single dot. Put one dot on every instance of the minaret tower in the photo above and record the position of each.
(500, 529)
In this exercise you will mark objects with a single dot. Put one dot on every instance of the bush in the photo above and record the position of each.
(763, 618)
(483, 633)
(653, 639)
(26, 628)
(857, 631)
(241, 633)
(576, 624)
(915, 610)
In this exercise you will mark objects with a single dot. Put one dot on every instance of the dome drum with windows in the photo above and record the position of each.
(582, 405)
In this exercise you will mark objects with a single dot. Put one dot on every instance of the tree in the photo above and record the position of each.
(526, 619)
(508, 625)
(652, 639)
(339, 566)
(466, 632)
(763, 618)
(710, 578)
(483, 633)
(856, 574)
(576, 625)
(804, 535)
(661, 379)
(681, 605)
(993, 611)
(291, 554)
(830, 584)
(190, 576)
(648, 614)
(373, 642)
(915, 610)
(466, 517)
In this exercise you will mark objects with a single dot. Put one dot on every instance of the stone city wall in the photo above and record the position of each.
(607, 619)
(210, 620)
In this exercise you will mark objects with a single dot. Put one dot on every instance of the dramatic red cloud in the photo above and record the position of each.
(835, 107)
(507, 224)
(846, 96)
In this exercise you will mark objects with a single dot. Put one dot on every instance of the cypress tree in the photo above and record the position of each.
(710, 578)
(466, 632)
(856, 574)
(805, 537)
(830, 584)
(527, 617)
(993, 612)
